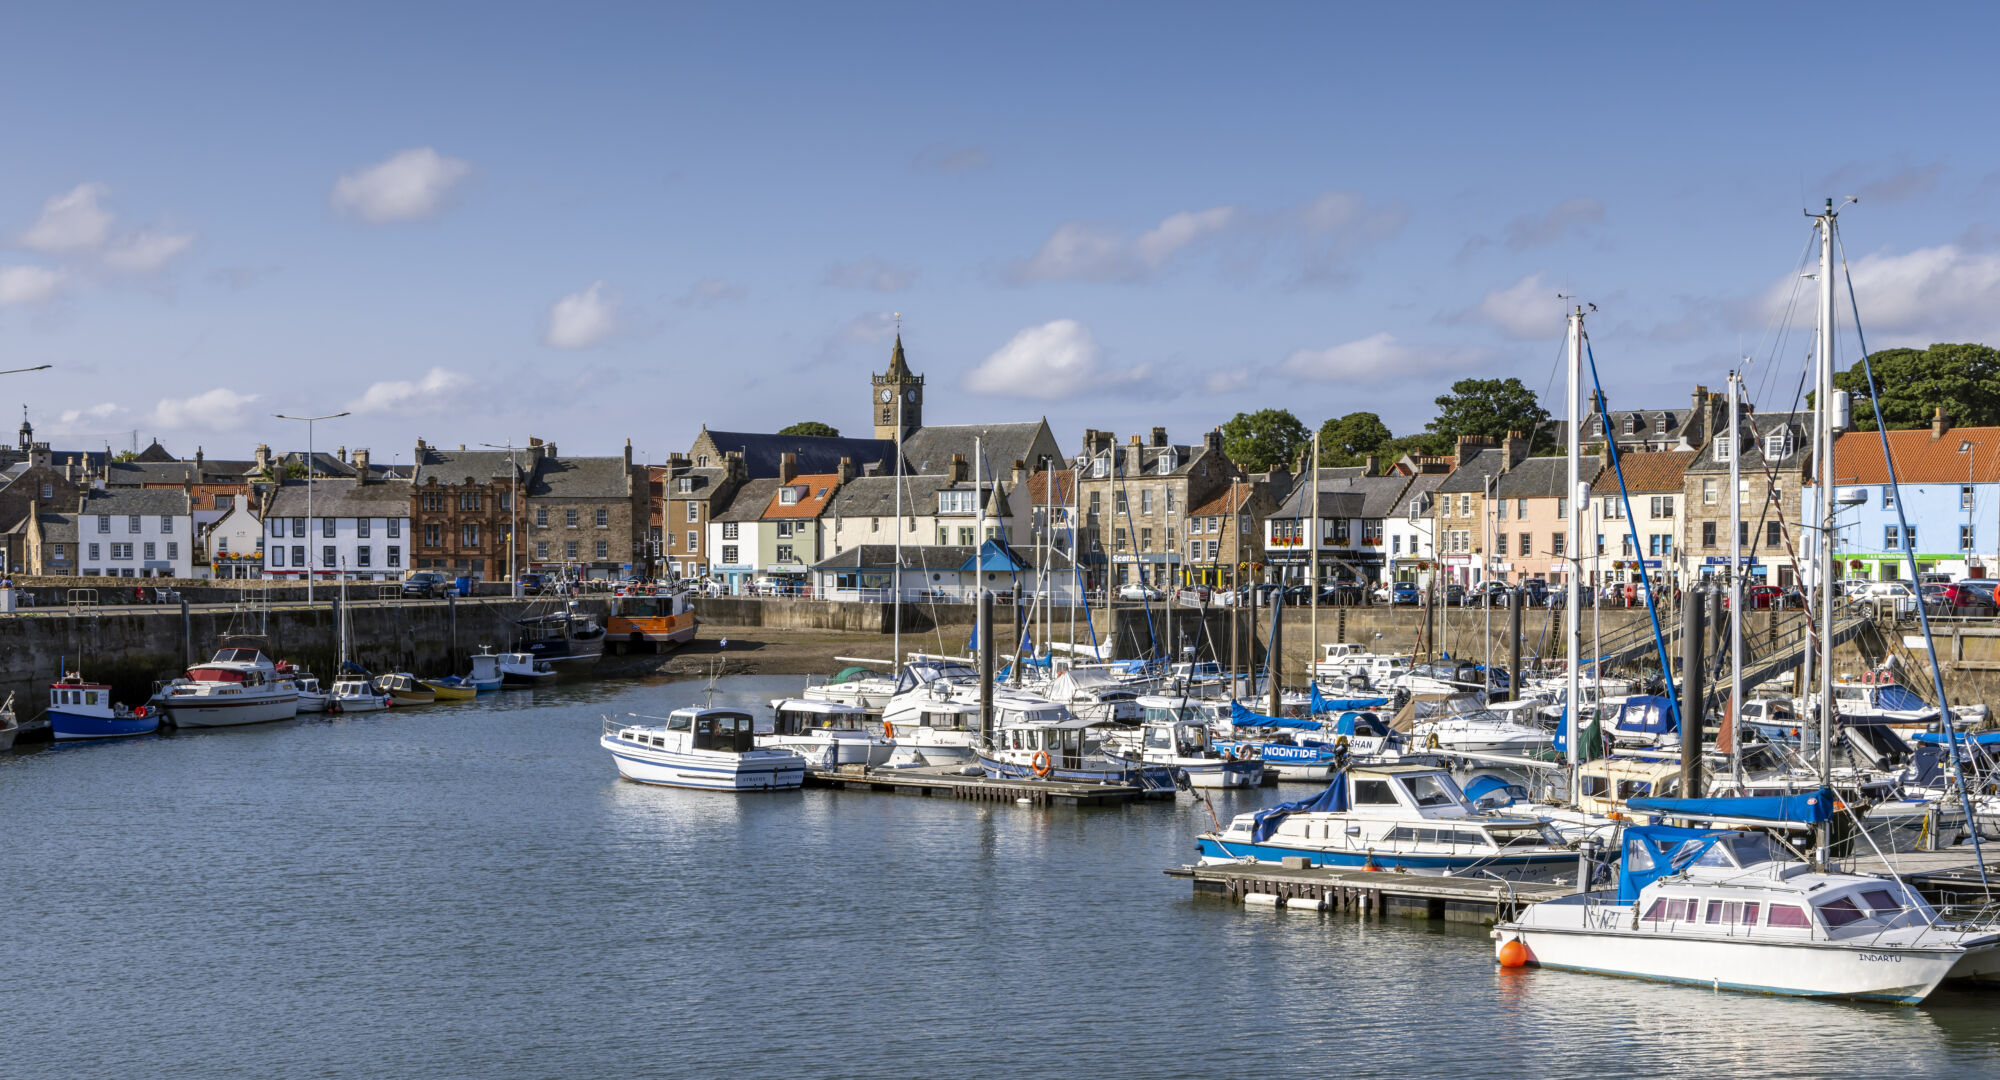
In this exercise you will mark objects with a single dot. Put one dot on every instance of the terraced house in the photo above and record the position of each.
(355, 527)
(136, 532)
(586, 517)
(770, 536)
(1459, 504)
(686, 497)
(462, 511)
(1137, 499)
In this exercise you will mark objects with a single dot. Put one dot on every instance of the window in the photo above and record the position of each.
(433, 500)
(1500, 544)
(49, 492)
(729, 530)
(395, 530)
(1465, 505)
(1527, 544)
(1787, 915)
(1521, 509)
(468, 500)
(1910, 537)
(541, 549)
(166, 523)
(1722, 447)
(326, 527)
(1667, 544)
(569, 517)
(788, 496)
(1146, 501)
(686, 484)
(1170, 500)
(328, 557)
(1562, 507)
(362, 527)
(958, 502)
(729, 554)
(1708, 491)
(433, 535)
(1625, 545)
(1095, 505)
(364, 555)
(1500, 509)
(1663, 506)
(1840, 911)
(1778, 445)
(1888, 497)
(604, 549)
(785, 528)
(785, 553)
(1773, 533)
(298, 526)
(1374, 793)
(694, 511)
(1214, 550)
(1556, 542)
(1214, 523)
(569, 549)
(1964, 496)
(1124, 505)
(1664, 910)
(121, 552)
(541, 517)
(298, 555)
(468, 535)
(1146, 539)
(395, 557)
(277, 526)
(152, 551)
(1889, 538)
(1118, 540)
(1743, 533)
(277, 555)
(1966, 538)
(1396, 544)
(603, 517)
(1708, 534)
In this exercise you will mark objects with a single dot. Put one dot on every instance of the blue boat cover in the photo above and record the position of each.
(1933, 738)
(1808, 809)
(1243, 717)
(1332, 800)
(1652, 852)
(1901, 698)
(1321, 703)
(1365, 724)
(1485, 785)
(1645, 714)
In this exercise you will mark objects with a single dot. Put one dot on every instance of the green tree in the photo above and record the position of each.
(1964, 379)
(1489, 407)
(812, 428)
(125, 455)
(1347, 440)
(1256, 441)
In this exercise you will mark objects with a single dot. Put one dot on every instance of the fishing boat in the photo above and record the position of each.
(564, 639)
(239, 686)
(404, 688)
(1741, 910)
(1393, 817)
(84, 710)
(354, 691)
(312, 699)
(485, 674)
(449, 688)
(712, 749)
(827, 734)
(524, 669)
(1055, 745)
(1172, 734)
(649, 621)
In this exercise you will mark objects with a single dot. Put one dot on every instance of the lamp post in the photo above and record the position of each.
(514, 520)
(310, 462)
(1966, 544)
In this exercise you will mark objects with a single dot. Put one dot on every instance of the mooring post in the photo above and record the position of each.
(187, 635)
(1692, 691)
(1514, 646)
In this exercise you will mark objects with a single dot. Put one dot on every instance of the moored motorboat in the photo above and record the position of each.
(355, 692)
(312, 699)
(827, 734)
(239, 686)
(712, 749)
(1054, 745)
(404, 688)
(449, 688)
(524, 669)
(84, 710)
(485, 670)
(1172, 735)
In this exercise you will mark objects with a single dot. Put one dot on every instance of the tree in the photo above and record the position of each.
(1489, 407)
(1256, 441)
(1964, 379)
(811, 428)
(1347, 440)
(125, 455)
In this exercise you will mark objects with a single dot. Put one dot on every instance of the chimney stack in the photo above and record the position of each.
(1159, 436)
(1514, 450)
(845, 470)
(361, 465)
(341, 454)
(733, 466)
(1020, 472)
(1373, 464)
(1940, 423)
(788, 467)
(958, 470)
(628, 453)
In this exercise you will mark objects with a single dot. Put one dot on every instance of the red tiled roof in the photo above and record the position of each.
(1920, 459)
(819, 487)
(1231, 499)
(1064, 484)
(1654, 471)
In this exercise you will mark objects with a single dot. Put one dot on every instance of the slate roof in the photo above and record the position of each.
(706, 482)
(1857, 456)
(141, 473)
(59, 528)
(875, 496)
(929, 449)
(143, 501)
(155, 453)
(929, 557)
(1471, 473)
(1347, 492)
(1762, 425)
(336, 496)
(1648, 425)
(1542, 478)
(1421, 485)
(453, 466)
(581, 478)
(750, 501)
(816, 454)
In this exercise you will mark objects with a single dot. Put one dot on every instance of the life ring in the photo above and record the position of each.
(1039, 765)
(1867, 678)
(1431, 741)
(140, 712)
(888, 730)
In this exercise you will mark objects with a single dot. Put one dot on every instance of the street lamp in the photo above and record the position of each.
(514, 520)
(310, 461)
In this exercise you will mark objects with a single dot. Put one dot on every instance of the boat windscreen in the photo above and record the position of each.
(1900, 698)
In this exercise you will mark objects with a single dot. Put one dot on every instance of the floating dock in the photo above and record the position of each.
(939, 783)
(1388, 893)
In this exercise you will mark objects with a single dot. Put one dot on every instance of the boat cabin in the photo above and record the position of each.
(248, 667)
(802, 716)
(725, 731)
(73, 695)
(1406, 791)
(923, 672)
(1066, 740)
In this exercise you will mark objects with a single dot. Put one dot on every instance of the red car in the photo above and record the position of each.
(1757, 597)
(1969, 599)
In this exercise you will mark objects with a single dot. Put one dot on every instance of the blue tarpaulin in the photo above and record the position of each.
(1808, 809)
(1645, 714)
(1652, 852)
(1321, 703)
(1932, 738)
(1243, 717)
(1332, 800)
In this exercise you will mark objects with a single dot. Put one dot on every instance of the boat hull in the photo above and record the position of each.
(196, 712)
(712, 771)
(1801, 969)
(526, 678)
(66, 725)
(824, 753)
(448, 692)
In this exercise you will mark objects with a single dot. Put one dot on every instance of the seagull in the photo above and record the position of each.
(723, 644)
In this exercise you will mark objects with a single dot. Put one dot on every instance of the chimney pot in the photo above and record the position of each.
(1159, 436)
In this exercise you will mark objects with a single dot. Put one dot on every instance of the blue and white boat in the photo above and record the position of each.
(1393, 817)
(84, 710)
(1172, 734)
(1051, 744)
(713, 749)
(1298, 748)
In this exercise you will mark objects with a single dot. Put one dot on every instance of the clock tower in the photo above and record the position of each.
(893, 390)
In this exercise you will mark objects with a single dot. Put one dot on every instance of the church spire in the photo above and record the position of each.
(898, 367)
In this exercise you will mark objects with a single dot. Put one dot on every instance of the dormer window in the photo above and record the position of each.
(957, 502)
(687, 484)
(1722, 443)
(1167, 463)
(1778, 445)
(1101, 465)
(788, 496)
(1631, 423)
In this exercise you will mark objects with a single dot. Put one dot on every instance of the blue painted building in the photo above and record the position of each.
(1949, 482)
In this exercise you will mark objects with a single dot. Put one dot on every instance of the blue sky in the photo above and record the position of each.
(582, 222)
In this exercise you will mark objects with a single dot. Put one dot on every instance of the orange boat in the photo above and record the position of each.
(648, 622)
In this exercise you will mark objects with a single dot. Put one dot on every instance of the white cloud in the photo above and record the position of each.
(23, 285)
(1378, 358)
(1080, 251)
(146, 251)
(1053, 360)
(1928, 295)
(1527, 310)
(101, 411)
(582, 319)
(872, 327)
(220, 409)
(412, 185)
(1227, 381)
(1571, 215)
(709, 292)
(71, 221)
(410, 396)
(869, 273)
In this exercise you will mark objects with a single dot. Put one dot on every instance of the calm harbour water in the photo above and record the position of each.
(469, 891)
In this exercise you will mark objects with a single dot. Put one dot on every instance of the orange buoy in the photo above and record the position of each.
(1514, 954)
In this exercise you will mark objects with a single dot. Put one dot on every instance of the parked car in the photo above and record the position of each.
(533, 584)
(1535, 593)
(426, 584)
(1965, 598)
(1342, 592)
(1492, 594)
(1889, 597)
(1405, 592)
(1138, 590)
(1758, 597)
(1454, 594)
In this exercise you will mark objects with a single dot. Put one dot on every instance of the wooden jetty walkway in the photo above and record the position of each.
(938, 782)
(1368, 892)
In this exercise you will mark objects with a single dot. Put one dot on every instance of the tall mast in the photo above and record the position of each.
(1312, 473)
(896, 570)
(1736, 571)
(1572, 623)
(1823, 457)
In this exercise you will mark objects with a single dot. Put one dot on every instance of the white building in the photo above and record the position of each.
(136, 532)
(355, 526)
(233, 544)
(1410, 532)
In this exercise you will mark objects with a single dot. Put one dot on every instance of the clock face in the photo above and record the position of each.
(888, 396)
(911, 395)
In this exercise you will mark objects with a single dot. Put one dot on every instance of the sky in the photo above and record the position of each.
(591, 222)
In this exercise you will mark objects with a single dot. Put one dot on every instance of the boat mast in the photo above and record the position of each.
(1572, 624)
(1823, 456)
(1312, 474)
(896, 569)
(1735, 578)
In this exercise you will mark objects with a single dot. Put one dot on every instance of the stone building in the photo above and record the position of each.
(1136, 500)
(1460, 504)
(1776, 451)
(586, 517)
(686, 498)
(462, 510)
